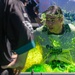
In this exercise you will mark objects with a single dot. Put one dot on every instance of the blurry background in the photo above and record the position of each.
(68, 5)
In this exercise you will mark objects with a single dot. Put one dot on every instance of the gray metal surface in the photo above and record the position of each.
(47, 73)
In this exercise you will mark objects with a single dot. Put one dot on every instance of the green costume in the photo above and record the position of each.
(56, 46)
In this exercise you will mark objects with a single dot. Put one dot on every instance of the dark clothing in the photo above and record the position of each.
(14, 26)
(30, 10)
(6, 71)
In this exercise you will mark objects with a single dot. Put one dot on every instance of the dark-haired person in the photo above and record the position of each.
(15, 28)
(32, 9)
(55, 37)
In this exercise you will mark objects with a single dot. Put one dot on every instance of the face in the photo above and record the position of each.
(54, 22)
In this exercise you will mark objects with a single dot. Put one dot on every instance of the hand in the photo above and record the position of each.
(16, 72)
(18, 61)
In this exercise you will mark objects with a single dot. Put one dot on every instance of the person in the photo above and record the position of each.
(55, 37)
(32, 9)
(15, 30)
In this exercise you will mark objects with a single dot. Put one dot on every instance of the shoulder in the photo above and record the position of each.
(72, 27)
(16, 6)
(16, 2)
(38, 30)
(69, 27)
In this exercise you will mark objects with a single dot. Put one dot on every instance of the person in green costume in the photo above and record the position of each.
(56, 38)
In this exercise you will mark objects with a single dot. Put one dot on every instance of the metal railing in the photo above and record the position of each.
(39, 73)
